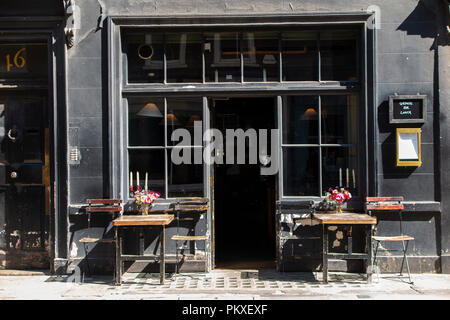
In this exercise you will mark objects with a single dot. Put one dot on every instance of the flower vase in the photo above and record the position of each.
(145, 210)
(339, 208)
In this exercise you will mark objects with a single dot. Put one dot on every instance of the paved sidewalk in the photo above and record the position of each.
(229, 285)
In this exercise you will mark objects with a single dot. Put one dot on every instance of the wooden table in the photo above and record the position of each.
(346, 218)
(141, 222)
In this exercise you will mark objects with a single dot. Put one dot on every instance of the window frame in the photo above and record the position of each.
(279, 31)
(166, 147)
(118, 87)
(319, 145)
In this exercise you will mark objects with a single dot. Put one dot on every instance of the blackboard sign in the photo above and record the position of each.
(407, 109)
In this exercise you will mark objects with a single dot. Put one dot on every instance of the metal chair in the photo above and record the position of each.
(389, 204)
(98, 206)
(189, 206)
(295, 215)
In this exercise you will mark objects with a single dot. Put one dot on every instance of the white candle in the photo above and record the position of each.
(347, 177)
(131, 180)
(137, 180)
(146, 180)
(340, 177)
(354, 179)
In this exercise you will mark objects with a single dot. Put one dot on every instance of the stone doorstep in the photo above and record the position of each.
(14, 272)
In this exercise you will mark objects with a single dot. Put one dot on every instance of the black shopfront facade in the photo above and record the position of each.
(122, 77)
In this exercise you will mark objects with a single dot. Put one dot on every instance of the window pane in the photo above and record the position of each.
(184, 57)
(183, 113)
(300, 56)
(338, 55)
(222, 57)
(339, 119)
(150, 162)
(185, 180)
(339, 168)
(145, 53)
(261, 55)
(146, 122)
(300, 120)
(301, 171)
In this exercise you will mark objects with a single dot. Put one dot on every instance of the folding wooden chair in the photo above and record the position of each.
(389, 204)
(99, 206)
(188, 206)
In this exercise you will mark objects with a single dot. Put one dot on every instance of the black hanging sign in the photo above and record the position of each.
(407, 109)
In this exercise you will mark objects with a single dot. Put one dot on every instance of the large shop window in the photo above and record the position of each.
(251, 56)
(151, 122)
(319, 142)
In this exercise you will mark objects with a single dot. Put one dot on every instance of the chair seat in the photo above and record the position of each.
(393, 238)
(89, 240)
(93, 240)
(189, 238)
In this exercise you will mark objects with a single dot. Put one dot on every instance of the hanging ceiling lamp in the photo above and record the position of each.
(171, 120)
(150, 110)
(309, 114)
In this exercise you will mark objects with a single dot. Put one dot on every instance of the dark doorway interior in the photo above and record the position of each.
(244, 199)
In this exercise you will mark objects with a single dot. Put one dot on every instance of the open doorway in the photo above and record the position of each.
(244, 214)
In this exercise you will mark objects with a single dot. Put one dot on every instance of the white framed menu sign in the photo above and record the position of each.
(409, 147)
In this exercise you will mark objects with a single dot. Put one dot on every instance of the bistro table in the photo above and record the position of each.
(346, 218)
(141, 222)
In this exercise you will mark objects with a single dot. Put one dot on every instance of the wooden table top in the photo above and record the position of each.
(140, 220)
(344, 218)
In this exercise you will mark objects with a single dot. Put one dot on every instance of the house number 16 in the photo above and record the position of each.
(18, 60)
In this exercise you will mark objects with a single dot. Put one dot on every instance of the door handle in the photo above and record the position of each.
(13, 134)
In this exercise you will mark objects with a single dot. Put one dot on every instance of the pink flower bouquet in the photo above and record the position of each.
(339, 196)
(145, 199)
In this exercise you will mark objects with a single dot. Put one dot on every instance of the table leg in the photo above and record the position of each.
(325, 253)
(118, 268)
(162, 264)
(141, 241)
(369, 252)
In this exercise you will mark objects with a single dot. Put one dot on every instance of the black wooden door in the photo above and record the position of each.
(24, 182)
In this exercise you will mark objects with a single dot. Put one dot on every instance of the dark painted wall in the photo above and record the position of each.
(408, 60)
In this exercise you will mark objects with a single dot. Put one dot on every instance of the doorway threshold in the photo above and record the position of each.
(241, 265)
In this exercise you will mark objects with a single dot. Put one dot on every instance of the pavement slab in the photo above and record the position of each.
(227, 285)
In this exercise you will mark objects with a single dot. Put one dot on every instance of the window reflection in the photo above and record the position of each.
(183, 113)
(144, 122)
(301, 171)
(339, 126)
(300, 56)
(184, 57)
(261, 56)
(185, 180)
(339, 119)
(260, 50)
(338, 53)
(145, 52)
(150, 162)
(222, 57)
(339, 168)
(300, 120)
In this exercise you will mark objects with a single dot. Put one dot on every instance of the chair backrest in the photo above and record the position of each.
(104, 205)
(191, 204)
(296, 207)
(384, 204)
